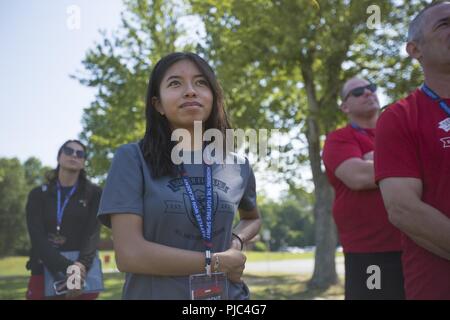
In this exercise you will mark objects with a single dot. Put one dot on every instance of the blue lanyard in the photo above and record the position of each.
(358, 128)
(204, 230)
(430, 93)
(59, 209)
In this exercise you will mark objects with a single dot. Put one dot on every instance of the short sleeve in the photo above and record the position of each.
(338, 148)
(123, 191)
(248, 201)
(395, 148)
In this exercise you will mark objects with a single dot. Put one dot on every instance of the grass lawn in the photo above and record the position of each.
(13, 288)
(253, 256)
(14, 279)
(15, 266)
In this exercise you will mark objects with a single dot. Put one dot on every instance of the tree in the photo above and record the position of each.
(289, 221)
(13, 191)
(16, 181)
(119, 69)
(34, 172)
(282, 63)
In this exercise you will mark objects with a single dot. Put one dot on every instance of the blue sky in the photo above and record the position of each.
(40, 106)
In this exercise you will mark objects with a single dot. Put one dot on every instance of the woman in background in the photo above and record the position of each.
(62, 216)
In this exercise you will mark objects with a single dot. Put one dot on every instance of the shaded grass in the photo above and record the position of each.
(289, 287)
(13, 288)
(262, 287)
(265, 286)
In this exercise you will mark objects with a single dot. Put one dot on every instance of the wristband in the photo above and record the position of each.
(240, 240)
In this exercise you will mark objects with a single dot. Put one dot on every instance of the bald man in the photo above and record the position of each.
(371, 244)
(413, 159)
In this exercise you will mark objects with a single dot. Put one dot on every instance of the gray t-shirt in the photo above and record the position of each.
(167, 216)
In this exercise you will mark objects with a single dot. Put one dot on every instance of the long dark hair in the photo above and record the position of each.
(52, 175)
(156, 145)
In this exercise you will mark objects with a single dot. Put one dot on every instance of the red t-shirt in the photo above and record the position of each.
(360, 216)
(410, 143)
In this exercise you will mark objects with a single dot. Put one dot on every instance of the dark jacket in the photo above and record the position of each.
(79, 226)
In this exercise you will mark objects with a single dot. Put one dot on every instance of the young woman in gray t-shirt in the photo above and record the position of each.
(171, 221)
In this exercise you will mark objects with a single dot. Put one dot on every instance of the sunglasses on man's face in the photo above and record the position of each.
(359, 91)
(68, 151)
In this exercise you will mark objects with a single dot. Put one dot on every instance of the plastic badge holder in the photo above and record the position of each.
(204, 287)
(61, 287)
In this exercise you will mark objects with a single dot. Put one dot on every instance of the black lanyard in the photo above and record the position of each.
(433, 95)
(205, 228)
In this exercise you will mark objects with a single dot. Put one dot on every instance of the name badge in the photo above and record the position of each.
(56, 240)
(204, 287)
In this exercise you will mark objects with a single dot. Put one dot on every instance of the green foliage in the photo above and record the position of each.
(105, 233)
(12, 206)
(35, 172)
(284, 62)
(260, 246)
(290, 222)
(279, 69)
(16, 181)
(274, 51)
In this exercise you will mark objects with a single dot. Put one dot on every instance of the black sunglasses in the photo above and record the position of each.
(359, 91)
(68, 151)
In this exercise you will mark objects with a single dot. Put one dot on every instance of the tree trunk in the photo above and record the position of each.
(325, 231)
(326, 239)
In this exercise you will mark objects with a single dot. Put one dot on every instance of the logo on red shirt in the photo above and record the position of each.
(445, 125)
(446, 142)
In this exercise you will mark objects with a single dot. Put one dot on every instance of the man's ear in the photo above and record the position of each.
(157, 104)
(413, 50)
(343, 107)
